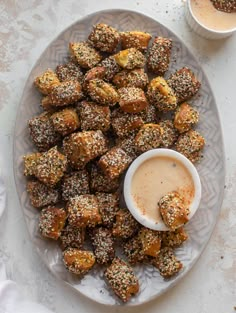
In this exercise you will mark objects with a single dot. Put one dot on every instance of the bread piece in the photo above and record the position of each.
(100, 182)
(86, 56)
(125, 225)
(108, 204)
(46, 81)
(30, 163)
(78, 261)
(130, 58)
(75, 184)
(133, 250)
(173, 239)
(124, 124)
(72, 237)
(149, 115)
(134, 78)
(148, 137)
(66, 121)
(69, 71)
(150, 241)
(111, 67)
(101, 92)
(41, 195)
(128, 145)
(97, 72)
(228, 6)
(135, 39)
(169, 133)
(132, 99)
(185, 117)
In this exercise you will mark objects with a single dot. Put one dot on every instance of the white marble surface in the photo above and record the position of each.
(26, 27)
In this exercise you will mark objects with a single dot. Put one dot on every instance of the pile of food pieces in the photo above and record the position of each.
(101, 111)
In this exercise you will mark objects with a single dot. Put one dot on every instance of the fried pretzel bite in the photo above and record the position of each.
(149, 115)
(104, 38)
(100, 182)
(108, 207)
(173, 239)
(159, 55)
(228, 6)
(121, 279)
(114, 162)
(72, 237)
(97, 72)
(42, 132)
(82, 147)
(101, 92)
(128, 145)
(185, 117)
(125, 225)
(75, 184)
(169, 133)
(132, 99)
(46, 81)
(83, 211)
(161, 95)
(94, 117)
(111, 67)
(51, 222)
(30, 163)
(133, 250)
(191, 145)
(173, 210)
(134, 78)
(130, 58)
(66, 121)
(77, 261)
(86, 56)
(69, 71)
(150, 241)
(41, 195)
(124, 124)
(135, 39)
(148, 137)
(184, 84)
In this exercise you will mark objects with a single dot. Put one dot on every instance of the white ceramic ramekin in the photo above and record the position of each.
(130, 203)
(202, 30)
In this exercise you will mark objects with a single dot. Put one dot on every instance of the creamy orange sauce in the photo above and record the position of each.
(155, 178)
(209, 16)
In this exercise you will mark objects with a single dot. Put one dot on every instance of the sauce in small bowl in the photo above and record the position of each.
(153, 175)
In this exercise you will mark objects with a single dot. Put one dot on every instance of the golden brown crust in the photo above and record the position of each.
(75, 184)
(125, 225)
(128, 145)
(108, 207)
(97, 72)
(185, 117)
(148, 137)
(169, 133)
(133, 250)
(173, 239)
(46, 81)
(100, 182)
(78, 261)
(130, 58)
(72, 237)
(111, 67)
(150, 241)
(101, 92)
(133, 78)
(228, 6)
(135, 39)
(124, 124)
(66, 121)
(86, 56)
(69, 71)
(132, 100)
(30, 163)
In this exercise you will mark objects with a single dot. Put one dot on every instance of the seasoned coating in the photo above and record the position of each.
(100, 182)
(169, 133)
(130, 58)
(94, 117)
(78, 261)
(42, 132)
(103, 245)
(134, 78)
(97, 72)
(111, 67)
(150, 241)
(133, 250)
(114, 162)
(124, 124)
(86, 56)
(75, 184)
(149, 115)
(159, 55)
(167, 263)
(173, 210)
(51, 222)
(72, 237)
(104, 38)
(129, 146)
(132, 99)
(51, 167)
(184, 84)
(82, 147)
(69, 71)
(66, 93)
(148, 137)
(191, 145)
(135, 39)
(65, 121)
(228, 6)
(122, 280)
(83, 211)
(161, 95)
(101, 92)
(41, 195)
(125, 225)
(30, 163)
(46, 81)
(108, 204)
(173, 239)
(185, 117)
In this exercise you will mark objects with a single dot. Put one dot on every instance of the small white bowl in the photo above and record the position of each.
(130, 203)
(201, 29)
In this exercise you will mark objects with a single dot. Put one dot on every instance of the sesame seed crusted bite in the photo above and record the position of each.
(103, 245)
(161, 95)
(108, 207)
(51, 167)
(169, 133)
(51, 222)
(125, 225)
(86, 56)
(42, 132)
(75, 184)
(135, 39)
(82, 147)
(184, 83)
(128, 145)
(114, 162)
(148, 137)
(100, 182)
(133, 250)
(104, 38)
(41, 195)
(167, 263)
(130, 58)
(94, 117)
(111, 67)
(122, 280)
(46, 81)
(83, 211)
(150, 241)
(174, 239)
(30, 163)
(69, 71)
(191, 145)
(132, 99)
(65, 121)
(72, 237)
(173, 210)
(228, 6)
(159, 55)
(149, 115)
(77, 261)
(134, 78)
(125, 124)
(185, 117)
(94, 73)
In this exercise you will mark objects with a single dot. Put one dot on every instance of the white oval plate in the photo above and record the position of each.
(211, 168)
